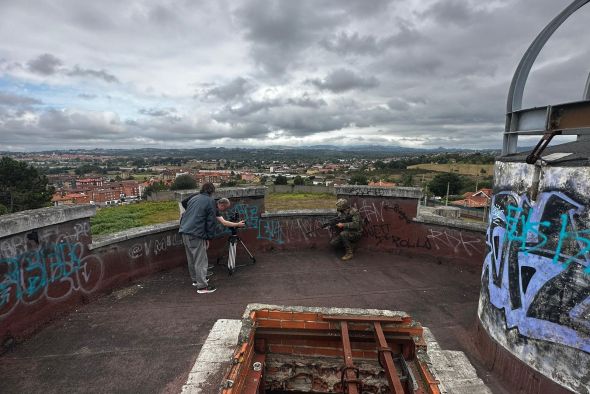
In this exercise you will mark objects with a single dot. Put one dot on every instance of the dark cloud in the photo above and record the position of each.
(279, 30)
(45, 64)
(237, 88)
(399, 104)
(345, 43)
(77, 71)
(15, 100)
(458, 12)
(306, 101)
(360, 8)
(341, 80)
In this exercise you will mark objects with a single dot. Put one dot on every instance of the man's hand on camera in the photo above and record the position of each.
(241, 223)
(340, 225)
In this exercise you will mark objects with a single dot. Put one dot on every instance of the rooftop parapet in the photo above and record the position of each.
(363, 190)
(20, 222)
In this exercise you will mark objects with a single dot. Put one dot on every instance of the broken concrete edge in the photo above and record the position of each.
(449, 222)
(214, 359)
(137, 232)
(19, 222)
(451, 368)
(363, 190)
(227, 192)
(323, 310)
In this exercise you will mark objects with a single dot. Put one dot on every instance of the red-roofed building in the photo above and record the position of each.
(70, 199)
(480, 199)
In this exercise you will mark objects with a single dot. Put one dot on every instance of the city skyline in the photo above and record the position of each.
(419, 74)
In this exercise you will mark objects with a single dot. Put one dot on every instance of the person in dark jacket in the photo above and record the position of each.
(197, 226)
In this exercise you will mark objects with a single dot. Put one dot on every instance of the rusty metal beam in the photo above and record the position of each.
(570, 116)
(394, 383)
(349, 375)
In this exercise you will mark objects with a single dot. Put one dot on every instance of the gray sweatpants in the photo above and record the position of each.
(196, 255)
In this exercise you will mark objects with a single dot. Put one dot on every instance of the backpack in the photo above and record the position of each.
(185, 200)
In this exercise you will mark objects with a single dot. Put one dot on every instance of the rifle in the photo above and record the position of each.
(331, 223)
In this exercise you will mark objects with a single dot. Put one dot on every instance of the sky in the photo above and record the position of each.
(263, 73)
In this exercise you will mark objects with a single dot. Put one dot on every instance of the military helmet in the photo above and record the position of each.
(342, 204)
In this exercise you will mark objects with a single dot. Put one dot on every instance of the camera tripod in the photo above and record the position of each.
(233, 242)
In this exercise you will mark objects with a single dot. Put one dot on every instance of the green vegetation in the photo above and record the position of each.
(441, 182)
(154, 187)
(113, 219)
(184, 182)
(287, 201)
(281, 180)
(358, 179)
(22, 187)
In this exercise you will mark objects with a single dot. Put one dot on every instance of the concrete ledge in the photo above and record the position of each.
(362, 190)
(452, 369)
(138, 232)
(300, 212)
(19, 222)
(227, 192)
(453, 223)
(323, 310)
(214, 358)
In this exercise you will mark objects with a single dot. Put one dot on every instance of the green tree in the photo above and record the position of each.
(263, 179)
(298, 180)
(281, 180)
(22, 187)
(358, 179)
(438, 185)
(154, 187)
(407, 179)
(183, 182)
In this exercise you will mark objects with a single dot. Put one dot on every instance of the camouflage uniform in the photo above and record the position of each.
(352, 230)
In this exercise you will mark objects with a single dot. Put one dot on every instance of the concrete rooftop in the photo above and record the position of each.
(145, 338)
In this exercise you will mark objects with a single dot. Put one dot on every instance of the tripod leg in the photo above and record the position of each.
(231, 258)
(248, 251)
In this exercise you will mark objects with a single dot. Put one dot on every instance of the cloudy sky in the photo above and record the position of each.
(187, 74)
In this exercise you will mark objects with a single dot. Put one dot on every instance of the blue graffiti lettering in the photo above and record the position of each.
(535, 250)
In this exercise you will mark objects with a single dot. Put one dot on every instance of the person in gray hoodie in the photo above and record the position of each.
(197, 226)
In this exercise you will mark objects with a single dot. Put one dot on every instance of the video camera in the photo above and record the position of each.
(234, 217)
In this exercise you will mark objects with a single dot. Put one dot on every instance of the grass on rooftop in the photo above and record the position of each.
(110, 220)
(288, 201)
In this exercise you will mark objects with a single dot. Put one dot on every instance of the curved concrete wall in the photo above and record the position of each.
(49, 262)
(535, 295)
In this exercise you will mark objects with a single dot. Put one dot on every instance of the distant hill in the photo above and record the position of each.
(343, 148)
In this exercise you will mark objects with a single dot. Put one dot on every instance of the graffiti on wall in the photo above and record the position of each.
(538, 266)
(53, 269)
(382, 234)
(154, 246)
(455, 240)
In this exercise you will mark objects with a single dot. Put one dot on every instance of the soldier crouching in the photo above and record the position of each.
(349, 228)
